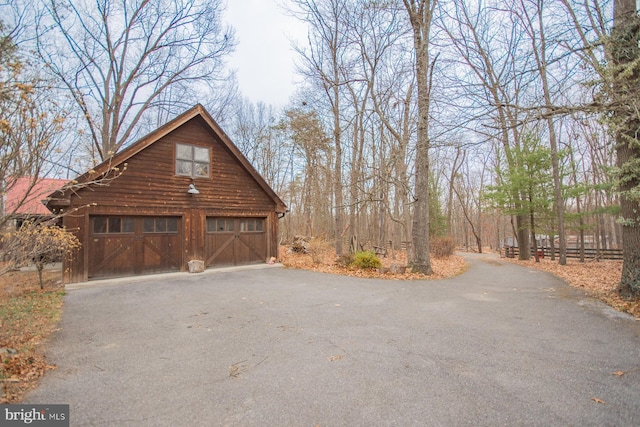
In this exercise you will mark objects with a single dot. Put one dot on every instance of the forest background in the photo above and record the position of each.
(500, 122)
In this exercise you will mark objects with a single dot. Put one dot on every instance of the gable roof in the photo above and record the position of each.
(18, 202)
(196, 111)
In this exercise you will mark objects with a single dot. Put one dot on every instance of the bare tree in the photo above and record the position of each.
(310, 139)
(120, 59)
(323, 62)
(617, 101)
(420, 13)
(36, 243)
(532, 13)
(382, 37)
(490, 44)
(30, 127)
(624, 53)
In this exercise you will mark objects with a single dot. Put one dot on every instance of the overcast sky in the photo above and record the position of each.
(263, 58)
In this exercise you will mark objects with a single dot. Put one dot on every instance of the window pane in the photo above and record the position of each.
(219, 225)
(184, 152)
(161, 225)
(201, 170)
(128, 225)
(259, 224)
(114, 225)
(148, 225)
(193, 161)
(172, 225)
(183, 167)
(252, 224)
(201, 154)
(100, 225)
(243, 225)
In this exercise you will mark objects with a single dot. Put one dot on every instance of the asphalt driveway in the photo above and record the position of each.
(499, 345)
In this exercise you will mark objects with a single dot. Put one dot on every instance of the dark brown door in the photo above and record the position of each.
(235, 241)
(124, 246)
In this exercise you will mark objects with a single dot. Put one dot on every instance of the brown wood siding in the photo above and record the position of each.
(149, 180)
(73, 266)
(149, 186)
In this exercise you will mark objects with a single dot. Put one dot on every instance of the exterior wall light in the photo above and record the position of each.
(192, 189)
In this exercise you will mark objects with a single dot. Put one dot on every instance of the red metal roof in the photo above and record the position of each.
(32, 204)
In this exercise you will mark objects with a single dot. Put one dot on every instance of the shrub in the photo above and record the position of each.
(366, 260)
(38, 244)
(318, 248)
(441, 247)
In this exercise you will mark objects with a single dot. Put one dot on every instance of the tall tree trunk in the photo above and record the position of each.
(578, 205)
(623, 51)
(539, 47)
(420, 15)
(533, 237)
(452, 178)
(464, 205)
(337, 170)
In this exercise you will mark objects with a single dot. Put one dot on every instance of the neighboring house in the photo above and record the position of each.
(25, 197)
(186, 193)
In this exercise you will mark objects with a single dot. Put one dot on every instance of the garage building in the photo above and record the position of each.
(184, 192)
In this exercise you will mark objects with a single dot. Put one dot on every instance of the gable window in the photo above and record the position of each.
(192, 161)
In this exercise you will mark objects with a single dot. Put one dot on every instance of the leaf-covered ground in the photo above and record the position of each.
(598, 278)
(325, 262)
(28, 315)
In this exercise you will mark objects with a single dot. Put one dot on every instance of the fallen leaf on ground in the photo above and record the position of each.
(595, 399)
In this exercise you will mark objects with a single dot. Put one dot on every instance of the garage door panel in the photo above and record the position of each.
(122, 246)
(220, 249)
(161, 252)
(235, 241)
(111, 256)
(252, 247)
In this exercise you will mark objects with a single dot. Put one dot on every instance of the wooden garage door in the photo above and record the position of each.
(124, 246)
(235, 241)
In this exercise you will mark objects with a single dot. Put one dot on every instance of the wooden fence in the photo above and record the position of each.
(589, 254)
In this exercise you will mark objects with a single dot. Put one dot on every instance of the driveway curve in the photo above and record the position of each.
(500, 344)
